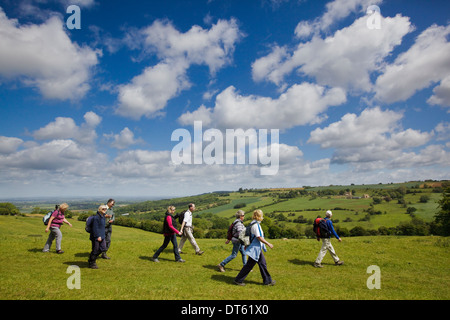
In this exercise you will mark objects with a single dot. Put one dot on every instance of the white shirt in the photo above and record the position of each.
(188, 218)
(257, 231)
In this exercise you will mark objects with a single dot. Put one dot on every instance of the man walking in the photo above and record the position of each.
(110, 217)
(187, 230)
(326, 244)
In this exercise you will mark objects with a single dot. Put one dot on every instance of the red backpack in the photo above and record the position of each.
(321, 229)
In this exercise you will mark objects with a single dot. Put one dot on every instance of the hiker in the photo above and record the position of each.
(187, 230)
(170, 235)
(54, 224)
(255, 252)
(237, 227)
(97, 236)
(109, 217)
(326, 244)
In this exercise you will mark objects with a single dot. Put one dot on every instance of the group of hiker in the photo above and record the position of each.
(100, 229)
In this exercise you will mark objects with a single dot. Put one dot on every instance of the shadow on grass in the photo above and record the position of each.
(301, 262)
(228, 276)
(159, 258)
(229, 279)
(82, 254)
(81, 264)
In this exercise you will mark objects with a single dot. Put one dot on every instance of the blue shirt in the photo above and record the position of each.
(330, 226)
(255, 247)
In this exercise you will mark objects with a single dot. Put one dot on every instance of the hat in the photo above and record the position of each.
(329, 213)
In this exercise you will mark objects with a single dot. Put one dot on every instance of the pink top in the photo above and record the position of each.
(171, 227)
(58, 219)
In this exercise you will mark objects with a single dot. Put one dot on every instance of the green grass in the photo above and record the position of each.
(411, 268)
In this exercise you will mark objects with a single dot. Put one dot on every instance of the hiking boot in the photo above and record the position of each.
(199, 252)
(104, 256)
(221, 268)
(271, 283)
(181, 260)
(318, 265)
(339, 263)
(59, 252)
(155, 260)
(93, 265)
(239, 283)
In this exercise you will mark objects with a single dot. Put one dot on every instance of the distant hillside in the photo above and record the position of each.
(382, 209)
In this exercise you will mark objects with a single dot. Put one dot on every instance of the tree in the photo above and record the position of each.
(7, 208)
(443, 216)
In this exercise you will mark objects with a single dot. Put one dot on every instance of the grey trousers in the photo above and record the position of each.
(187, 235)
(54, 233)
(108, 232)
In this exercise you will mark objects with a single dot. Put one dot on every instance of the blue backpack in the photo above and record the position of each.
(321, 229)
(88, 226)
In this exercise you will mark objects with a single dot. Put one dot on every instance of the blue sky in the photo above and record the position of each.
(91, 111)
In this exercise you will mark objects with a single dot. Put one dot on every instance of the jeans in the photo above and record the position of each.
(236, 248)
(267, 279)
(172, 238)
(54, 233)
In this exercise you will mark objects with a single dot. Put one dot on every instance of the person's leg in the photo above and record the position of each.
(245, 271)
(244, 256)
(233, 254)
(322, 252)
(183, 240)
(267, 279)
(161, 249)
(48, 244)
(58, 236)
(191, 238)
(173, 238)
(108, 233)
(94, 254)
(332, 252)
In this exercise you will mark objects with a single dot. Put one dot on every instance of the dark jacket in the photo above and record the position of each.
(98, 227)
(169, 226)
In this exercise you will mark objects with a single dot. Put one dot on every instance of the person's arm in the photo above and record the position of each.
(49, 223)
(171, 227)
(330, 224)
(261, 239)
(96, 229)
(67, 222)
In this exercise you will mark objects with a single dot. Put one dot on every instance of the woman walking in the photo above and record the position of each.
(255, 252)
(54, 224)
(170, 235)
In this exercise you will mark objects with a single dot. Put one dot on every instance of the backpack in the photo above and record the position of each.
(180, 217)
(245, 234)
(230, 230)
(47, 216)
(321, 229)
(88, 226)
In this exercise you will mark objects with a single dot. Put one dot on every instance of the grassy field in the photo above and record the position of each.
(411, 268)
